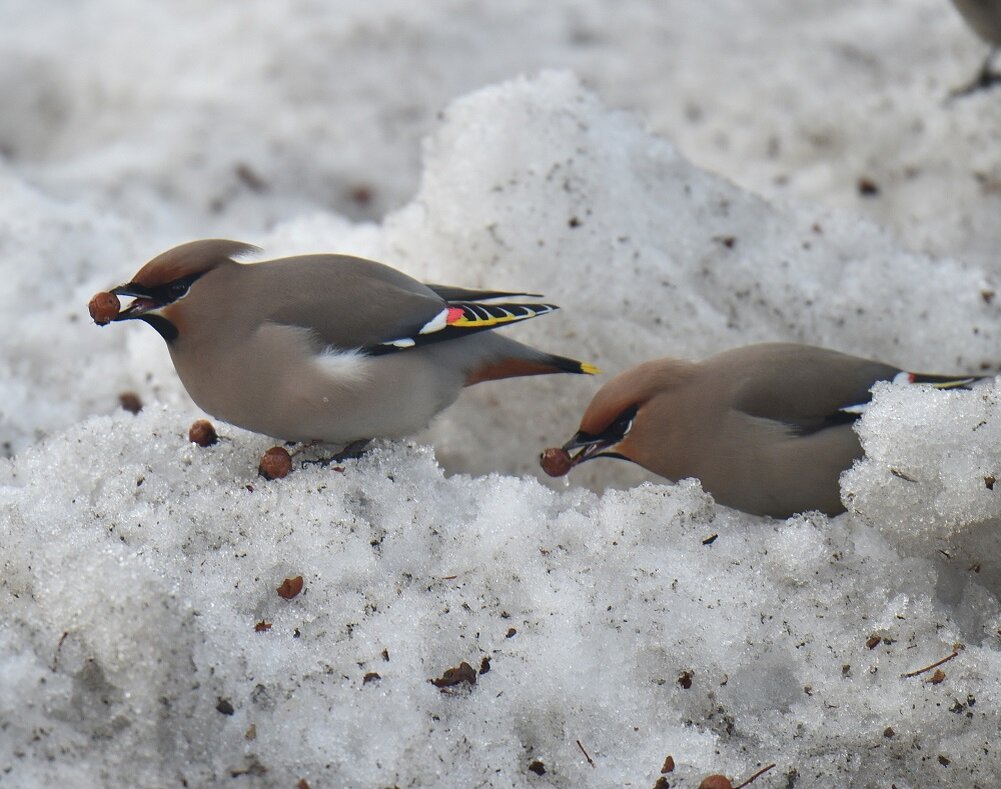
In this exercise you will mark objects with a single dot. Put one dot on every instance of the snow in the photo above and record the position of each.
(137, 568)
(157, 558)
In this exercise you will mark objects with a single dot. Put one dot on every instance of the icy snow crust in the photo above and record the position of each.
(136, 567)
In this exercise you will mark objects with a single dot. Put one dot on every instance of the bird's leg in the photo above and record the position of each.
(302, 446)
(984, 78)
(352, 451)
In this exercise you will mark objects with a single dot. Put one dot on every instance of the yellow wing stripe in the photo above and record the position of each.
(957, 384)
(483, 316)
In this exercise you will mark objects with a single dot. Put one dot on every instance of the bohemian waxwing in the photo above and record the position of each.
(766, 428)
(325, 347)
(984, 18)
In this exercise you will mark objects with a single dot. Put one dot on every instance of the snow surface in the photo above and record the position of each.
(136, 565)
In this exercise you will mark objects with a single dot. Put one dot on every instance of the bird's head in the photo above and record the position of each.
(605, 426)
(159, 286)
(622, 420)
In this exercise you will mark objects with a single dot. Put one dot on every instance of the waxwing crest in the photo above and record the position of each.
(195, 257)
(631, 389)
(609, 417)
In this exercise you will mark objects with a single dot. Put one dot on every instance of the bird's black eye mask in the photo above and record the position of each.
(153, 298)
(592, 445)
(147, 300)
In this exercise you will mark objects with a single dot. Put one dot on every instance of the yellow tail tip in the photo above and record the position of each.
(590, 369)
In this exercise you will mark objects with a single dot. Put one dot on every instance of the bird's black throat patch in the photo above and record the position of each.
(164, 327)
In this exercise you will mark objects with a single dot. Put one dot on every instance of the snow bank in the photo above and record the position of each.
(195, 119)
(143, 641)
(928, 478)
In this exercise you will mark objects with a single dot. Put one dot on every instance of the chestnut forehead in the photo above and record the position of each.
(606, 407)
(195, 257)
(637, 386)
(160, 272)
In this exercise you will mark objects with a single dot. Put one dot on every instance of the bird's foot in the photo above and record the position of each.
(352, 451)
(984, 79)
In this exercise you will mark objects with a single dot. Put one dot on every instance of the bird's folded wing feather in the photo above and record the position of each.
(450, 293)
(352, 303)
(813, 388)
(458, 319)
(346, 302)
(808, 389)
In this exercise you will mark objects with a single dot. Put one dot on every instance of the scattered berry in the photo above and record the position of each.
(203, 433)
(276, 463)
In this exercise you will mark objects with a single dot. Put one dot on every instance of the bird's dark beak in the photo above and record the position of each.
(593, 445)
(144, 301)
(590, 447)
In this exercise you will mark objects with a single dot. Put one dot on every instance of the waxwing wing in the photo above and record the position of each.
(766, 428)
(325, 347)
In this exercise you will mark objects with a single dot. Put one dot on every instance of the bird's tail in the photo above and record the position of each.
(514, 367)
(941, 381)
(491, 357)
(564, 364)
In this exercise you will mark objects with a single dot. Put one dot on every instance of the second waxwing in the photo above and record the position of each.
(325, 347)
(984, 18)
(766, 428)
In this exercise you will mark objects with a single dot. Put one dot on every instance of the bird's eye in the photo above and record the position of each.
(624, 423)
(169, 292)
